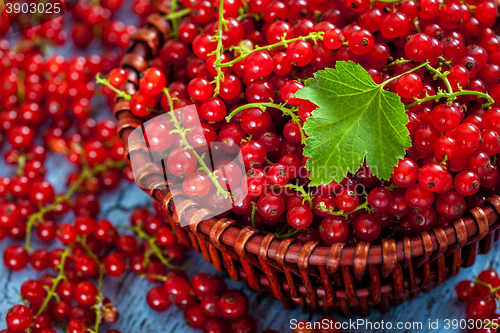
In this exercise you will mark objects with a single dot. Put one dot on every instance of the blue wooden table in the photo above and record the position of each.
(128, 292)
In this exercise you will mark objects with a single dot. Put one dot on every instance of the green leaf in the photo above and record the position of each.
(356, 119)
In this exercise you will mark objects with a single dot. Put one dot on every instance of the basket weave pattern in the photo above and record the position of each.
(345, 279)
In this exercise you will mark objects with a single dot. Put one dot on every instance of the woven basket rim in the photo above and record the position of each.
(319, 257)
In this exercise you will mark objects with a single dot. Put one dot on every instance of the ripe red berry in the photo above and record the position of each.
(86, 293)
(152, 81)
(232, 305)
(467, 183)
(465, 290)
(361, 42)
(395, 25)
(19, 318)
(157, 299)
(408, 85)
(433, 177)
(300, 216)
(334, 229)
(367, 227)
(117, 77)
(142, 104)
(334, 39)
(32, 291)
(418, 47)
(15, 257)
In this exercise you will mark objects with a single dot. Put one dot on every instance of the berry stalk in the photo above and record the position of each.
(290, 233)
(21, 89)
(263, 106)
(55, 282)
(85, 173)
(182, 132)
(175, 15)
(397, 62)
(383, 84)
(303, 193)
(122, 94)
(155, 249)
(450, 95)
(364, 205)
(442, 76)
(98, 306)
(252, 217)
(220, 48)
(315, 36)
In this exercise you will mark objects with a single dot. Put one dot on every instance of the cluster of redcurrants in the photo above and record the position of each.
(482, 301)
(78, 298)
(94, 148)
(91, 20)
(95, 249)
(450, 167)
(206, 302)
(50, 97)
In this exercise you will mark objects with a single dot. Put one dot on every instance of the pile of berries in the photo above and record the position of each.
(206, 302)
(238, 63)
(482, 297)
(95, 249)
(242, 71)
(46, 108)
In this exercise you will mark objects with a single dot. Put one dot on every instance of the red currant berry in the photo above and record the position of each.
(19, 318)
(232, 305)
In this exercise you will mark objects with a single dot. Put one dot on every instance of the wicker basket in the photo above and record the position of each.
(345, 279)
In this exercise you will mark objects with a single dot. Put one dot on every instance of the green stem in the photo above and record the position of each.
(252, 218)
(55, 282)
(263, 106)
(122, 94)
(21, 89)
(85, 173)
(451, 96)
(220, 48)
(442, 76)
(443, 162)
(98, 306)
(290, 233)
(158, 277)
(155, 248)
(489, 286)
(175, 15)
(415, 24)
(175, 24)
(256, 17)
(21, 161)
(397, 62)
(35, 217)
(383, 84)
(303, 193)
(182, 132)
(442, 61)
(315, 36)
(364, 205)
